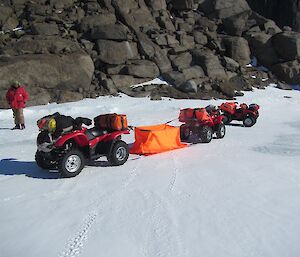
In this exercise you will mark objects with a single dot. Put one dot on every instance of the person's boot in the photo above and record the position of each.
(16, 127)
(22, 126)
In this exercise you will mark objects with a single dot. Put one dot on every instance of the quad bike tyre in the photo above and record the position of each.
(227, 118)
(184, 132)
(220, 130)
(205, 134)
(42, 162)
(71, 164)
(249, 121)
(119, 153)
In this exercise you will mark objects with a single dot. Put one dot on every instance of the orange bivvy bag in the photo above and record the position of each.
(201, 114)
(186, 114)
(111, 121)
(156, 139)
(228, 107)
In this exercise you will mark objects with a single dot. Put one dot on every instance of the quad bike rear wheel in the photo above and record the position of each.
(227, 118)
(249, 121)
(71, 164)
(221, 130)
(42, 162)
(184, 132)
(119, 153)
(205, 134)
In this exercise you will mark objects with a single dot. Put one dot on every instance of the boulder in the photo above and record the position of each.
(40, 45)
(174, 78)
(113, 52)
(142, 69)
(189, 86)
(193, 72)
(210, 63)
(237, 24)
(165, 21)
(287, 45)
(111, 31)
(45, 29)
(124, 83)
(288, 72)
(156, 5)
(200, 38)
(153, 52)
(48, 71)
(238, 49)
(227, 8)
(183, 4)
(262, 48)
(89, 22)
(230, 64)
(68, 96)
(181, 61)
(5, 13)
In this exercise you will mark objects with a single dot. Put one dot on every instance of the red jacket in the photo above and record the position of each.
(17, 97)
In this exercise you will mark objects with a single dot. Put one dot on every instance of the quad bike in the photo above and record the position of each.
(69, 151)
(202, 124)
(245, 113)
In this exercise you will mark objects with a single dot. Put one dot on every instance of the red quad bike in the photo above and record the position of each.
(245, 113)
(70, 150)
(201, 123)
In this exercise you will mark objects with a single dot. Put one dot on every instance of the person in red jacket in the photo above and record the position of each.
(17, 97)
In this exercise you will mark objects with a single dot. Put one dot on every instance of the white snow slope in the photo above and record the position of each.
(234, 197)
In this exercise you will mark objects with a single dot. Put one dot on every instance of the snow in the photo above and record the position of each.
(235, 197)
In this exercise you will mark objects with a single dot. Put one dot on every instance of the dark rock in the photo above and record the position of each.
(38, 96)
(193, 72)
(40, 45)
(288, 72)
(124, 83)
(45, 29)
(227, 8)
(142, 69)
(287, 45)
(5, 13)
(111, 31)
(262, 47)
(113, 52)
(189, 86)
(174, 78)
(69, 96)
(227, 88)
(164, 21)
(89, 22)
(236, 25)
(200, 38)
(183, 4)
(181, 61)
(210, 63)
(48, 71)
(156, 5)
(230, 64)
(153, 52)
(206, 24)
(238, 49)
(284, 86)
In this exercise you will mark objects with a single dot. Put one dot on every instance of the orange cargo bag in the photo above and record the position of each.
(228, 107)
(186, 114)
(156, 139)
(201, 114)
(111, 121)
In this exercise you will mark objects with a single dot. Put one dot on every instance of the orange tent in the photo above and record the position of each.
(156, 139)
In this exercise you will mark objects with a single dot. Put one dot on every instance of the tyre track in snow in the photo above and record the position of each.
(75, 244)
(161, 240)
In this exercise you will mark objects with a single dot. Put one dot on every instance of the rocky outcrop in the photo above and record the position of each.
(106, 46)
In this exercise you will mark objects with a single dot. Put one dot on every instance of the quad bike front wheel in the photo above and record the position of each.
(226, 118)
(249, 121)
(71, 164)
(42, 162)
(205, 134)
(119, 153)
(184, 132)
(221, 130)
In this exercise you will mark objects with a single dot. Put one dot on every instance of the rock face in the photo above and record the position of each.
(48, 72)
(70, 49)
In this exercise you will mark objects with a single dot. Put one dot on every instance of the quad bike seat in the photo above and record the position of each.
(94, 132)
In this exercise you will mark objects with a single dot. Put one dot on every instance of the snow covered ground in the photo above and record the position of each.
(235, 197)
